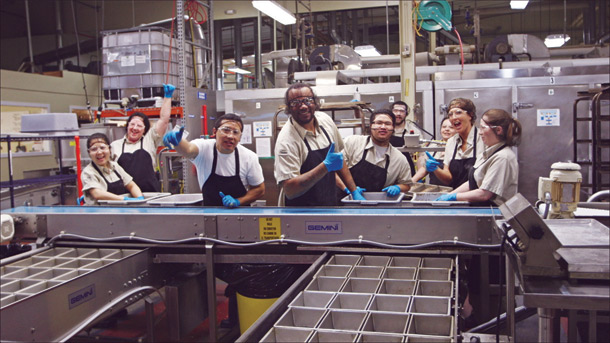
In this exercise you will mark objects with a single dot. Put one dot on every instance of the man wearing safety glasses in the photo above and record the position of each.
(374, 163)
(308, 153)
(228, 173)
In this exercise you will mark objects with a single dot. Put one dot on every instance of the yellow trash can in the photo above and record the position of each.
(250, 309)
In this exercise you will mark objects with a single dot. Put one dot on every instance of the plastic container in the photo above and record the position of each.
(374, 198)
(250, 309)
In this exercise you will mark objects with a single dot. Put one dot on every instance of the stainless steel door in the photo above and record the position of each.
(541, 146)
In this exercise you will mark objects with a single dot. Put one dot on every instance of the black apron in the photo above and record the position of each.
(228, 185)
(399, 142)
(461, 168)
(472, 183)
(323, 193)
(139, 165)
(116, 187)
(369, 176)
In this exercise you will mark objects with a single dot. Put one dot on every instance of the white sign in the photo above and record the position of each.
(263, 147)
(547, 117)
(246, 136)
(262, 129)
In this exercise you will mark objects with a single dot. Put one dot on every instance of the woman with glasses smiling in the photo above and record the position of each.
(104, 179)
(463, 149)
(495, 176)
(137, 151)
(229, 174)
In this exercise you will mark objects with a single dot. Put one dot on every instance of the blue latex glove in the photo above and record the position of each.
(431, 163)
(173, 138)
(333, 160)
(357, 193)
(81, 200)
(141, 197)
(392, 191)
(168, 89)
(229, 201)
(447, 197)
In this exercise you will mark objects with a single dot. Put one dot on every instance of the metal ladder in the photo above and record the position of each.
(597, 159)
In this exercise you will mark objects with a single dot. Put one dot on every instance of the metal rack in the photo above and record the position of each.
(597, 140)
(61, 178)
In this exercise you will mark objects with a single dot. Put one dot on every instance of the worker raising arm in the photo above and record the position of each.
(104, 179)
(308, 153)
(374, 163)
(495, 176)
(229, 174)
(137, 151)
(463, 149)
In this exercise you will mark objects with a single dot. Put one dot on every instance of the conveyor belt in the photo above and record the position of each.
(251, 224)
(263, 211)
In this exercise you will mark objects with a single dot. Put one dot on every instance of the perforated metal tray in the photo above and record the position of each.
(147, 196)
(429, 198)
(178, 199)
(374, 198)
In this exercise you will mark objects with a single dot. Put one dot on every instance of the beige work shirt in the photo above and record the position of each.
(150, 141)
(291, 151)
(409, 126)
(399, 171)
(92, 179)
(456, 140)
(498, 173)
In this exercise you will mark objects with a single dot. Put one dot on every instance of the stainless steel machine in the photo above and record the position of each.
(93, 261)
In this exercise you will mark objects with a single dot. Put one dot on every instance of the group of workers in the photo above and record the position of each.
(314, 165)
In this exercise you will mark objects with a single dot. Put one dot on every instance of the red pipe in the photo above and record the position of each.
(204, 116)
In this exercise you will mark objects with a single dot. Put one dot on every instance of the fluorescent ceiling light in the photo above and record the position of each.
(367, 51)
(239, 70)
(555, 41)
(275, 11)
(518, 4)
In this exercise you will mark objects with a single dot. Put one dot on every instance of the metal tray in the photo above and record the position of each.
(374, 198)
(426, 187)
(147, 196)
(428, 198)
(178, 199)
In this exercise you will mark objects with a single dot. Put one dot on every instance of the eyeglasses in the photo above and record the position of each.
(383, 123)
(399, 110)
(229, 131)
(102, 147)
(297, 102)
(136, 125)
(485, 126)
(457, 112)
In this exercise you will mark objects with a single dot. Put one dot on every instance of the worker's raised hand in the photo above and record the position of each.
(229, 201)
(431, 163)
(168, 90)
(447, 197)
(392, 191)
(333, 160)
(357, 193)
(141, 197)
(173, 138)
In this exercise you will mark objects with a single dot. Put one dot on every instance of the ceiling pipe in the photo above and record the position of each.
(58, 32)
(30, 49)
